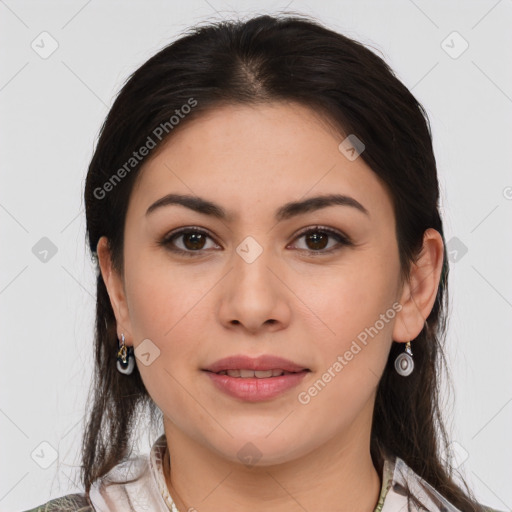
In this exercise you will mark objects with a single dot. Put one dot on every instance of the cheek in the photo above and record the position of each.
(340, 302)
(351, 321)
(352, 349)
(163, 296)
(166, 308)
(169, 306)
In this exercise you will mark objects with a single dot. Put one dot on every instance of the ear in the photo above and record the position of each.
(419, 293)
(115, 288)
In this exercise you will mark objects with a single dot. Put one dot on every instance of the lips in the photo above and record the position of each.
(254, 389)
(261, 363)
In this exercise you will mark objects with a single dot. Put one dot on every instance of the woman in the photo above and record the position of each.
(262, 207)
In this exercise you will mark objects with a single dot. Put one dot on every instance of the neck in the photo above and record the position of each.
(337, 476)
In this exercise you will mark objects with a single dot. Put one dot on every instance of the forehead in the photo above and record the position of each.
(257, 155)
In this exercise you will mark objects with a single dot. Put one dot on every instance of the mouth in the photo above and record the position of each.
(259, 374)
(255, 385)
(264, 366)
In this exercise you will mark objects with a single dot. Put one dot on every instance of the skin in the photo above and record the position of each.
(252, 160)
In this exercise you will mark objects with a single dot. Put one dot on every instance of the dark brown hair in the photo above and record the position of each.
(286, 57)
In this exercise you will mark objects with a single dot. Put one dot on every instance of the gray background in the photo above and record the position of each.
(51, 110)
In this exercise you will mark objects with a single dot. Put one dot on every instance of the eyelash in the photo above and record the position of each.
(342, 239)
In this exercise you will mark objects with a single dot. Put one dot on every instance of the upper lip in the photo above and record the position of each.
(263, 362)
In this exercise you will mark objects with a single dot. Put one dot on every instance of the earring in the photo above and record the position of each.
(125, 359)
(404, 364)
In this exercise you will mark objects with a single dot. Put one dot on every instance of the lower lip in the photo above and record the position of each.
(253, 389)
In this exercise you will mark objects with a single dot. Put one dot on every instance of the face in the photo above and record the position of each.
(317, 286)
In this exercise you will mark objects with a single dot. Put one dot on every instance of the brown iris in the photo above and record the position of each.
(194, 241)
(318, 238)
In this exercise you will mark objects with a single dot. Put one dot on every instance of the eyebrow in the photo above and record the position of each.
(285, 212)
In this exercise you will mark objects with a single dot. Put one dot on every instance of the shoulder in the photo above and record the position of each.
(77, 502)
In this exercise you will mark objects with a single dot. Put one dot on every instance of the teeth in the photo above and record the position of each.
(260, 374)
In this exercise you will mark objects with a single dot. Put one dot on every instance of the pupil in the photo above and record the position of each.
(317, 238)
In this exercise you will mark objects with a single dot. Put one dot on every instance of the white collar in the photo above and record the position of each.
(396, 499)
(135, 484)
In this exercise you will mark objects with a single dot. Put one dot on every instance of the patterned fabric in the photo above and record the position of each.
(138, 485)
(70, 503)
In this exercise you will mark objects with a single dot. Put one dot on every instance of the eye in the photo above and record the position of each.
(317, 239)
(193, 240)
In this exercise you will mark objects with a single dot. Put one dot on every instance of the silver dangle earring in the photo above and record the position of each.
(125, 358)
(404, 364)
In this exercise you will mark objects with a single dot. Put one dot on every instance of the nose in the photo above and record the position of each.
(253, 296)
